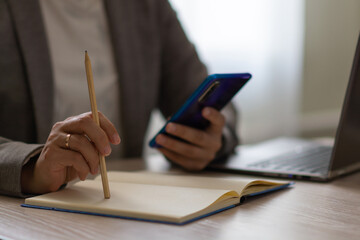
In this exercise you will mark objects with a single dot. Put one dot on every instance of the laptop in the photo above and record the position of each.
(303, 159)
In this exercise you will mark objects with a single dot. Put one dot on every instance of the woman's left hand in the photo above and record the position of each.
(200, 147)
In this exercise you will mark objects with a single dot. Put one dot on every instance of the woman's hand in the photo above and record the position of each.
(71, 150)
(201, 146)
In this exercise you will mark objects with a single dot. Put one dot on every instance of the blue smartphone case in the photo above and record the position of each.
(215, 91)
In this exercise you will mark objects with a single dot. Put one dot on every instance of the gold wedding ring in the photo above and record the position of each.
(67, 139)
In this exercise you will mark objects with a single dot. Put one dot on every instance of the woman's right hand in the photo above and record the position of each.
(59, 164)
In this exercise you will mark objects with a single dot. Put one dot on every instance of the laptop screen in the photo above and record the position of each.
(346, 150)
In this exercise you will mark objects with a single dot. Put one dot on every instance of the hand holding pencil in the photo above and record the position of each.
(71, 151)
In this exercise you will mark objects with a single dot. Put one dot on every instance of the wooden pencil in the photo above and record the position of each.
(90, 81)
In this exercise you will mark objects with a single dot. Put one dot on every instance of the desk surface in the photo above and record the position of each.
(308, 211)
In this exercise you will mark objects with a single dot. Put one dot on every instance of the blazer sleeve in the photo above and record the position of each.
(182, 72)
(13, 156)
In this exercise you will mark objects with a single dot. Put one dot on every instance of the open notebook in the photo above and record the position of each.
(154, 197)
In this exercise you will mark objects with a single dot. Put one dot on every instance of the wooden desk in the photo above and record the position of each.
(308, 211)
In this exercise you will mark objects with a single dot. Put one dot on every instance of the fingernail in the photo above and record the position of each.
(207, 112)
(171, 127)
(160, 139)
(96, 170)
(107, 150)
(116, 138)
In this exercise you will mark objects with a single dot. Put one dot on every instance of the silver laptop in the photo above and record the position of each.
(301, 159)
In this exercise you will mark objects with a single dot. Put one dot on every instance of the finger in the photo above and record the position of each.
(84, 124)
(184, 149)
(185, 162)
(81, 144)
(73, 159)
(217, 120)
(109, 129)
(192, 135)
(71, 174)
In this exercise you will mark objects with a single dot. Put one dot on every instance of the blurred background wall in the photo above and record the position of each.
(299, 52)
(331, 31)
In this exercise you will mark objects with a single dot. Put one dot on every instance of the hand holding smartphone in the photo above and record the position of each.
(215, 91)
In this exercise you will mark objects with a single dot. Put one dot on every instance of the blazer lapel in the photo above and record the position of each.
(32, 39)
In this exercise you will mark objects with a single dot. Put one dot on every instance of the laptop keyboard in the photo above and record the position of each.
(313, 160)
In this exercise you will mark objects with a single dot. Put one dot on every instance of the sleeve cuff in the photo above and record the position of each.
(229, 142)
(13, 156)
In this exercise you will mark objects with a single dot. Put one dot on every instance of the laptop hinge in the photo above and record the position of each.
(348, 169)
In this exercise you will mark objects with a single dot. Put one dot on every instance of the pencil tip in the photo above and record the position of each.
(85, 51)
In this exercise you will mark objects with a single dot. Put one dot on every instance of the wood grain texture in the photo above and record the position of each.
(308, 211)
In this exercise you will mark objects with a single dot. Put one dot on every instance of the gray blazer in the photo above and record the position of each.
(157, 66)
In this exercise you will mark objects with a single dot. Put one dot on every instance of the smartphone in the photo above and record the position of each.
(215, 91)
